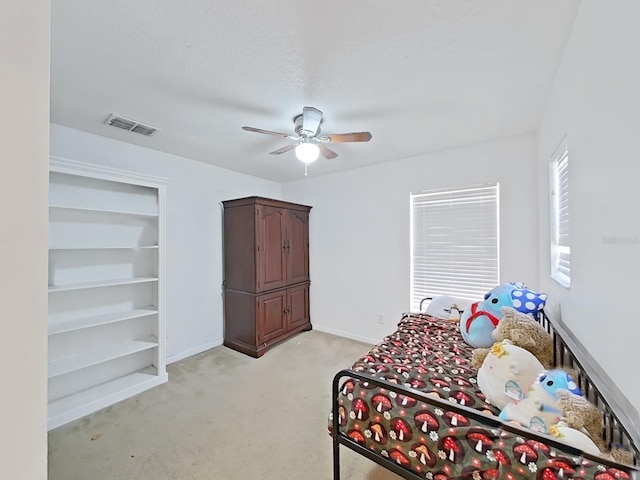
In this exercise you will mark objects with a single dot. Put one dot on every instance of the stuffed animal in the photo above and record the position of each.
(582, 441)
(522, 331)
(580, 414)
(446, 307)
(507, 372)
(478, 322)
(574, 438)
(540, 408)
(557, 379)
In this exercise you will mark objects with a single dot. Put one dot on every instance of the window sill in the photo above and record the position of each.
(562, 280)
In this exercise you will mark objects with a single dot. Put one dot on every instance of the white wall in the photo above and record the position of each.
(359, 245)
(596, 103)
(24, 136)
(194, 229)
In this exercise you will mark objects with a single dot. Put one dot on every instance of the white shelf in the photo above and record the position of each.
(101, 283)
(94, 357)
(71, 325)
(74, 406)
(103, 210)
(104, 247)
(106, 229)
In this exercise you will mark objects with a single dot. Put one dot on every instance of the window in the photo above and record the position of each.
(454, 242)
(560, 239)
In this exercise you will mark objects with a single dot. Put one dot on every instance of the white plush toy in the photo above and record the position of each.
(507, 372)
(574, 438)
(539, 408)
(446, 307)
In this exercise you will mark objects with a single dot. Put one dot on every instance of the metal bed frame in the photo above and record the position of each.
(566, 354)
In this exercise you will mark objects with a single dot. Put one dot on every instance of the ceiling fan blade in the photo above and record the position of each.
(311, 118)
(284, 149)
(268, 132)
(346, 137)
(326, 152)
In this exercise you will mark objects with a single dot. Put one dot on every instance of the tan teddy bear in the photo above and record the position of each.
(524, 332)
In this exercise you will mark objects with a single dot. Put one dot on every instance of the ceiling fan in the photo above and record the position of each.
(308, 143)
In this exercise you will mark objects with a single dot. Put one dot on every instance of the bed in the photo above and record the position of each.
(412, 405)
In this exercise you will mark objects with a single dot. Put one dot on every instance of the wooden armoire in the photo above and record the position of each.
(266, 267)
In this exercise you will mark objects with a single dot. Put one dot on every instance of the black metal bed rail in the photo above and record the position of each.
(567, 354)
(340, 438)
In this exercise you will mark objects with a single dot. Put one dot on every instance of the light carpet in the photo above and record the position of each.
(222, 416)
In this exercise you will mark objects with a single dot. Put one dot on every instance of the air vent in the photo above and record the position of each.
(131, 125)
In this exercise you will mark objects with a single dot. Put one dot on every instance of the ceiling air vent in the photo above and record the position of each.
(130, 125)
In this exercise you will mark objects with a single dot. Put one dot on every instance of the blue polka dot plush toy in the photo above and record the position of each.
(528, 302)
(480, 319)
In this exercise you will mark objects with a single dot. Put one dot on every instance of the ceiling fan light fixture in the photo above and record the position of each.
(308, 143)
(307, 152)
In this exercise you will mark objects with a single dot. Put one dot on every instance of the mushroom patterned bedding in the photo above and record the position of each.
(436, 442)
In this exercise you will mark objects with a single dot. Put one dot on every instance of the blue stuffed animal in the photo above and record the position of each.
(480, 319)
(554, 380)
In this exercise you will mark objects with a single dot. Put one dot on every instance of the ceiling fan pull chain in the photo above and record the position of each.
(306, 166)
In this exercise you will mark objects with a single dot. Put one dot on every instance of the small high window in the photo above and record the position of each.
(560, 237)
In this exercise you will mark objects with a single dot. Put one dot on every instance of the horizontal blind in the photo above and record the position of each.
(454, 243)
(563, 199)
(560, 231)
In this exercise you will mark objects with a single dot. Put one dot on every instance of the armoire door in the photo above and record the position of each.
(298, 306)
(272, 248)
(297, 247)
(272, 312)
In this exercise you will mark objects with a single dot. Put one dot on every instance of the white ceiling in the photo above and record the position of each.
(421, 75)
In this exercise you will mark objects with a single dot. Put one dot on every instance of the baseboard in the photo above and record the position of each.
(351, 336)
(194, 351)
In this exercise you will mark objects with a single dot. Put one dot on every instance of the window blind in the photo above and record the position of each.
(454, 243)
(560, 232)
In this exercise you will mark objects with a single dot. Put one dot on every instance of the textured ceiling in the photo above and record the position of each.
(421, 75)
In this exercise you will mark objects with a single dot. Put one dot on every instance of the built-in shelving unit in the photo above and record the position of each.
(106, 287)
